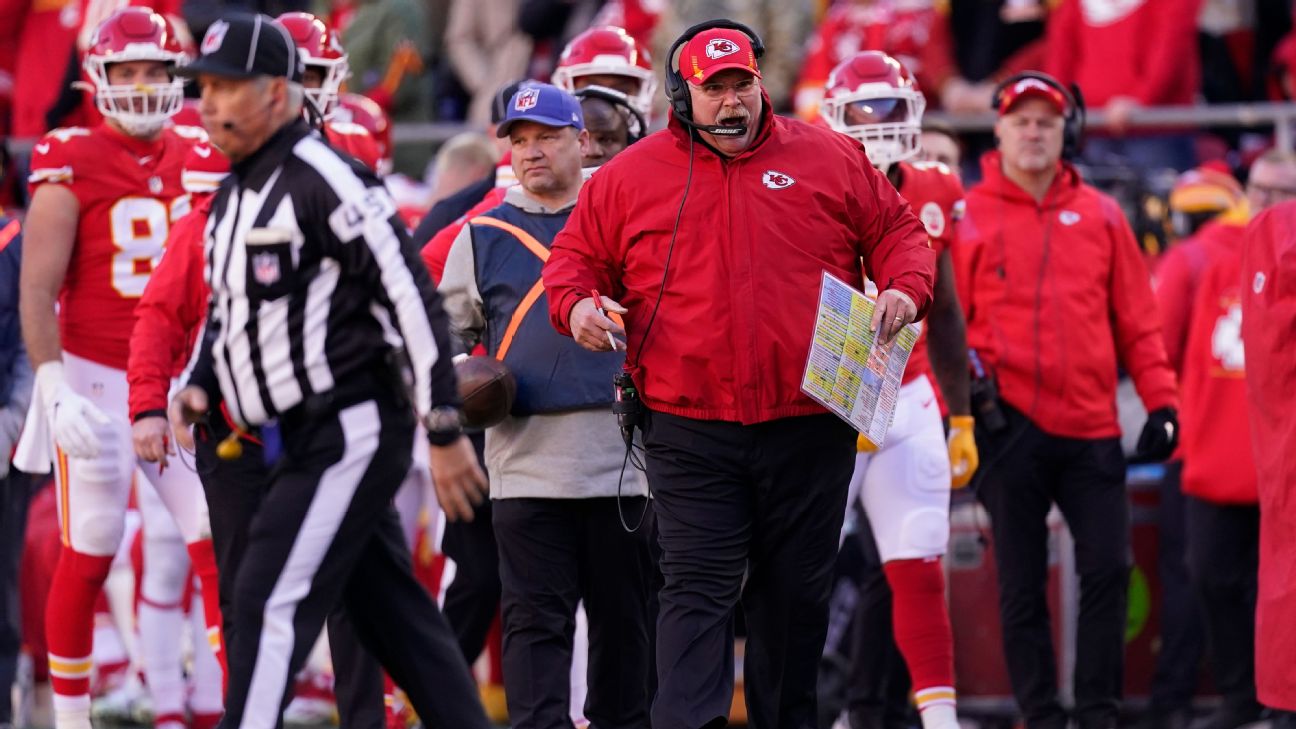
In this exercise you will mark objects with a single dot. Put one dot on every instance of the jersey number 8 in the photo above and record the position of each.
(138, 226)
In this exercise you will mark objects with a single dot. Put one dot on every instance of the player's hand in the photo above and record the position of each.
(152, 439)
(458, 478)
(590, 328)
(962, 450)
(189, 406)
(74, 420)
(1159, 437)
(893, 310)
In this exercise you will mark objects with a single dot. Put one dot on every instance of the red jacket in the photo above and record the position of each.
(1268, 330)
(1057, 295)
(734, 325)
(1146, 49)
(168, 315)
(1216, 438)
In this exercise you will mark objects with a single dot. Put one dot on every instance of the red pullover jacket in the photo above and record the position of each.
(168, 314)
(1146, 49)
(757, 232)
(1056, 296)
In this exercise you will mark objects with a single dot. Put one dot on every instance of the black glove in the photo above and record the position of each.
(1159, 437)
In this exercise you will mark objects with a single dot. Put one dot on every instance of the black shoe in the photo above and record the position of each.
(1230, 717)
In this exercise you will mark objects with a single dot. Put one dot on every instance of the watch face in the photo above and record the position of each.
(444, 420)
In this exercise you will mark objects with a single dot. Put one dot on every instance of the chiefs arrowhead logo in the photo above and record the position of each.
(526, 99)
(211, 42)
(720, 47)
(776, 180)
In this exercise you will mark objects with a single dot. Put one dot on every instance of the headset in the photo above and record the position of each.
(638, 127)
(681, 103)
(1073, 126)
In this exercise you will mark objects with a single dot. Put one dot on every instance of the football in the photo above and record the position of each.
(487, 389)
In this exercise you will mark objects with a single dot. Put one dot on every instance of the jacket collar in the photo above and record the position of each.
(766, 122)
(994, 181)
(254, 171)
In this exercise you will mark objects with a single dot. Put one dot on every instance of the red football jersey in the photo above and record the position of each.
(355, 140)
(1216, 439)
(129, 194)
(936, 196)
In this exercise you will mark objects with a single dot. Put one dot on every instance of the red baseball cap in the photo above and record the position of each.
(1031, 88)
(715, 50)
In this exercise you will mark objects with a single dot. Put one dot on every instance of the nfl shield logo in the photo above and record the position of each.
(265, 268)
(527, 99)
(215, 36)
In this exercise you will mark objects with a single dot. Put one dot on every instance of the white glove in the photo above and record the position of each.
(72, 418)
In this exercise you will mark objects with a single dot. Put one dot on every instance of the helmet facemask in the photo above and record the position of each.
(140, 109)
(885, 119)
(333, 72)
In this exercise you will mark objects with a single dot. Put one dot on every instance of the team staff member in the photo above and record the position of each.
(1268, 327)
(1219, 475)
(1060, 296)
(555, 463)
(297, 227)
(749, 475)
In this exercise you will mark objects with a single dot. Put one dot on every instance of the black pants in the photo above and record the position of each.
(1182, 634)
(326, 534)
(1024, 471)
(473, 596)
(762, 502)
(553, 554)
(234, 491)
(878, 691)
(1223, 558)
(16, 492)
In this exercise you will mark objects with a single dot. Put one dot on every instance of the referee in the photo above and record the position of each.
(319, 305)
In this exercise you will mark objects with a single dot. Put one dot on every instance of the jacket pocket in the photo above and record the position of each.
(270, 273)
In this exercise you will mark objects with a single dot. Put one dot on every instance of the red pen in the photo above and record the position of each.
(598, 305)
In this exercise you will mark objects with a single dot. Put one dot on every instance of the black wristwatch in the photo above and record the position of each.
(444, 425)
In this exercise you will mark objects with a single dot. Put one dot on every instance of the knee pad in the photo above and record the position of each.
(923, 533)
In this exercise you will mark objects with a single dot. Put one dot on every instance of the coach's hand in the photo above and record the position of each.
(891, 313)
(459, 480)
(152, 442)
(189, 406)
(590, 328)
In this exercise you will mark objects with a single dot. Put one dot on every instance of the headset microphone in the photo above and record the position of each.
(718, 130)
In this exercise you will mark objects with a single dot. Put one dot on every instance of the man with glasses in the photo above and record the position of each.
(1272, 180)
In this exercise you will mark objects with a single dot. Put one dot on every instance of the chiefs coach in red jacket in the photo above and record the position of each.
(711, 237)
(1060, 297)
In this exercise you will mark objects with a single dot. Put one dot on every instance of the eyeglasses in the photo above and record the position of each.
(716, 90)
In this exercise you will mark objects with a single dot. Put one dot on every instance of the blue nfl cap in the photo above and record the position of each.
(543, 104)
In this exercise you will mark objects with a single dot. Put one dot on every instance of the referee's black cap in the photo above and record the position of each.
(245, 45)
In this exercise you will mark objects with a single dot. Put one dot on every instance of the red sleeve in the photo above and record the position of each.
(1173, 54)
(168, 316)
(1135, 321)
(583, 254)
(1062, 47)
(937, 62)
(1174, 289)
(437, 249)
(898, 255)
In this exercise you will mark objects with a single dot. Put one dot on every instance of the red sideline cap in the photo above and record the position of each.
(715, 50)
(1031, 88)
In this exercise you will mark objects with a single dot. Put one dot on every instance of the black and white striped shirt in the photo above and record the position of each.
(314, 283)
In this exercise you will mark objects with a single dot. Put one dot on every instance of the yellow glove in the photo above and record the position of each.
(864, 445)
(962, 450)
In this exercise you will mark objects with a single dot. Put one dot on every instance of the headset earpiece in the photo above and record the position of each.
(1072, 125)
